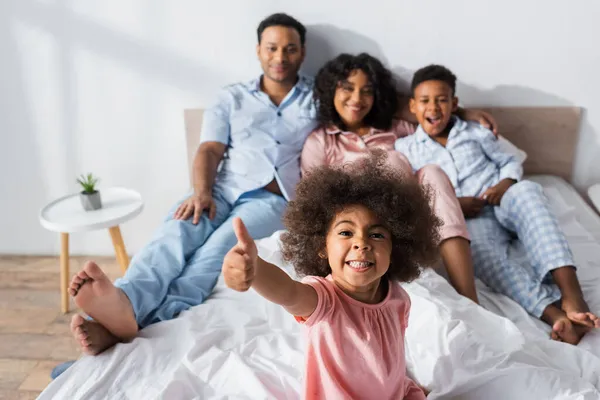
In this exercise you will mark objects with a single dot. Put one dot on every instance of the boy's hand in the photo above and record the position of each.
(239, 265)
(494, 194)
(471, 206)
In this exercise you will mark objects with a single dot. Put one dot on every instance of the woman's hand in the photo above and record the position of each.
(482, 117)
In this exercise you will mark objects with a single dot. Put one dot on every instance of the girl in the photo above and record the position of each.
(354, 232)
(357, 111)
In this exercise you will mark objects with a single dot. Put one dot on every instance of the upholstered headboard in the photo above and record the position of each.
(548, 135)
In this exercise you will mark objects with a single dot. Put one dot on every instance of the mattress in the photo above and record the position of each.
(240, 346)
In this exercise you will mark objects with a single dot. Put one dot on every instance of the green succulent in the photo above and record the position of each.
(88, 182)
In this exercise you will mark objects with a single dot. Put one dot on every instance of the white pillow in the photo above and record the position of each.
(508, 147)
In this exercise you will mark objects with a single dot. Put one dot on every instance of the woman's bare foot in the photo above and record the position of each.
(92, 337)
(563, 329)
(95, 294)
(578, 312)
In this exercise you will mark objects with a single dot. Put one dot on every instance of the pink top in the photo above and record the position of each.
(331, 146)
(356, 350)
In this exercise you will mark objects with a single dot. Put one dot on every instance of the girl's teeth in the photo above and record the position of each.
(359, 264)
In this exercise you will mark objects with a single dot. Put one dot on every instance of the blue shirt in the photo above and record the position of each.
(472, 158)
(264, 141)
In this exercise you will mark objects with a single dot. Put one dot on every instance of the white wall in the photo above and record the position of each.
(100, 86)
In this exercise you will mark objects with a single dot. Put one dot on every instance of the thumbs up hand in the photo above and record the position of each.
(239, 265)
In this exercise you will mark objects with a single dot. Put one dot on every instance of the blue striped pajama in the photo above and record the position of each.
(523, 214)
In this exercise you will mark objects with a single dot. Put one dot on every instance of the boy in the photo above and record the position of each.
(498, 205)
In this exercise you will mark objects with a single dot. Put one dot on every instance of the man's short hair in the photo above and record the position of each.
(281, 19)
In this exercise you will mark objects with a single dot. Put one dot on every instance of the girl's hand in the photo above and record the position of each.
(239, 265)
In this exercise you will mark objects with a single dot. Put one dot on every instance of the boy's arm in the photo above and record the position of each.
(510, 167)
(242, 269)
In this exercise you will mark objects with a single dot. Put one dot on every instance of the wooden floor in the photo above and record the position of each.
(34, 334)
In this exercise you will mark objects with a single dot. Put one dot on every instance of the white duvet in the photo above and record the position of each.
(239, 346)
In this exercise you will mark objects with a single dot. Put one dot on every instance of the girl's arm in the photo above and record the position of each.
(275, 285)
(242, 269)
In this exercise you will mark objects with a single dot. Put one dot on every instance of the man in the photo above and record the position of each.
(256, 130)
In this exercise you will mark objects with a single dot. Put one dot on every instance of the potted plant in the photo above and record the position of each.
(89, 196)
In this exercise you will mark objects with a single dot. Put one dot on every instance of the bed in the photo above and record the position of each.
(239, 346)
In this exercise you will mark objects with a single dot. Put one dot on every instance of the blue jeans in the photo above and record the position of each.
(179, 268)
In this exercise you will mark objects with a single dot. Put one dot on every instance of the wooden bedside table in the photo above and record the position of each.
(66, 215)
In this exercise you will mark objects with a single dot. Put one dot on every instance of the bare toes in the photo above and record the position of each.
(581, 318)
(83, 275)
(76, 321)
(81, 335)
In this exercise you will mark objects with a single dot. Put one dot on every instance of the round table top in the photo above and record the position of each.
(67, 214)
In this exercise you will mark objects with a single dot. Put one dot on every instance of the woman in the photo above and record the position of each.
(358, 110)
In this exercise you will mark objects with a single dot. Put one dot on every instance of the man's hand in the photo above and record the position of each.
(485, 119)
(494, 194)
(471, 206)
(195, 205)
(239, 265)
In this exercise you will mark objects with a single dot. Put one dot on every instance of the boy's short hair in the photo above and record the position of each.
(400, 202)
(281, 19)
(433, 73)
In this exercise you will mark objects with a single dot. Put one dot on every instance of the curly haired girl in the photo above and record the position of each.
(354, 232)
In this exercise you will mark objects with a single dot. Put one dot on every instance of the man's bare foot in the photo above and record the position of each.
(578, 312)
(563, 329)
(95, 294)
(93, 338)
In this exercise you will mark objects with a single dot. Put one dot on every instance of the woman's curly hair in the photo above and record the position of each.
(399, 201)
(334, 72)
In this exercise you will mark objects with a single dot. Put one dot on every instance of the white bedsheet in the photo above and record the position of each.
(239, 346)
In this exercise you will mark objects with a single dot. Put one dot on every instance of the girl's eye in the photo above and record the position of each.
(443, 100)
(377, 235)
(345, 233)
